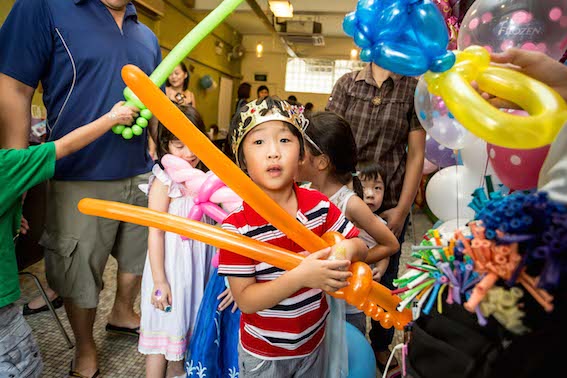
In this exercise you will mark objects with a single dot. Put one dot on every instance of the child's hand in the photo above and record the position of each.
(24, 226)
(227, 299)
(122, 114)
(349, 249)
(318, 273)
(377, 274)
(161, 296)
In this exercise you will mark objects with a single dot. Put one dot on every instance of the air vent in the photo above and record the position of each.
(303, 33)
(304, 39)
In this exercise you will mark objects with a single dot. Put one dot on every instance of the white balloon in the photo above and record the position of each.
(447, 229)
(449, 192)
(475, 158)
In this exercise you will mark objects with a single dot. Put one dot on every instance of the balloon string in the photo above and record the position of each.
(457, 185)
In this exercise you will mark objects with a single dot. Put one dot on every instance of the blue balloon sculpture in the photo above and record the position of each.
(408, 37)
(361, 360)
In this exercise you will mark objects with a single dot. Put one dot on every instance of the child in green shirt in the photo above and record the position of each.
(20, 170)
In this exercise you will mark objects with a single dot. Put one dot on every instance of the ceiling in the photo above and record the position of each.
(329, 13)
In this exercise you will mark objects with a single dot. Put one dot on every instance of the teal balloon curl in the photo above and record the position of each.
(176, 56)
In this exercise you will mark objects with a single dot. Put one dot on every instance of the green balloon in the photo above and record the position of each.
(132, 99)
(146, 114)
(127, 133)
(137, 130)
(118, 129)
(188, 43)
(142, 122)
(182, 49)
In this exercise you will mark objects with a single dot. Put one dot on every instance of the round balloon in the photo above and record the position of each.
(517, 169)
(438, 154)
(448, 193)
(475, 158)
(428, 167)
(499, 25)
(438, 121)
(448, 228)
(206, 82)
(361, 360)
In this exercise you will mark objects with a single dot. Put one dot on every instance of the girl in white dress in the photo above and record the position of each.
(176, 270)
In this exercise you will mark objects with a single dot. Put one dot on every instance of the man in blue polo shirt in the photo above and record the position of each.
(76, 48)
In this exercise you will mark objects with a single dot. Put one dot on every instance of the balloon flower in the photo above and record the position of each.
(179, 52)
(207, 190)
(408, 37)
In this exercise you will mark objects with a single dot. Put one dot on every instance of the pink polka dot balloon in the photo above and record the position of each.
(517, 169)
(498, 25)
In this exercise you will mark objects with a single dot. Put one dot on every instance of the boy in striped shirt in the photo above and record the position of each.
(283, 313)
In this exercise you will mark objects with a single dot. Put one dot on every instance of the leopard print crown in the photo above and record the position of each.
(254, 114)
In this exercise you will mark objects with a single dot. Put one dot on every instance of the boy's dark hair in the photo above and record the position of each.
(165, 136)
(309, 106)
(332, 134)
(261, 88)
(369, 170)
(271, 102)
(186, 81)
(244, 90)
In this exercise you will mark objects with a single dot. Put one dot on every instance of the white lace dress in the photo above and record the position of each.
(187, 267)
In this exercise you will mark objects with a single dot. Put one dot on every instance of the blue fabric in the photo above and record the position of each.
(213, 350)
(77, 51)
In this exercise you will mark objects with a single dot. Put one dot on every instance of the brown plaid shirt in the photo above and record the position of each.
(381, 120)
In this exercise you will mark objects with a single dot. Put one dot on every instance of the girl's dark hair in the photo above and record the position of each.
(369, 170)
(244, 90)
(186, 81)
(332, 134)
(165, 136)
(271, 102)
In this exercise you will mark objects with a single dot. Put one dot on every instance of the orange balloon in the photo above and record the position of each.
(361, 292)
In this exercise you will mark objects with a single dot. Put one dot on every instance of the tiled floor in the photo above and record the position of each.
(118, 355)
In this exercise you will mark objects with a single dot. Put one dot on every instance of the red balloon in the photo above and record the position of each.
(517, 169)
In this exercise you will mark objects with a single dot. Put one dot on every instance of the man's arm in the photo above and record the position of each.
(414, 167)
(338, 100)
(15, 112)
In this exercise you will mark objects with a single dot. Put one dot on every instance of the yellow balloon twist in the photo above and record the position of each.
(547, 110)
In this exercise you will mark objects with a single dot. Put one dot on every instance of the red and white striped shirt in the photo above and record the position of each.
(295, 326)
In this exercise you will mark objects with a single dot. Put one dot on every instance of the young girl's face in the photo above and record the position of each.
(271, 153)
(177, 77)
(373, 192)
(308, 167)
(179, 149)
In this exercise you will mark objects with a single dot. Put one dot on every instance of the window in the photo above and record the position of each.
(316, 75)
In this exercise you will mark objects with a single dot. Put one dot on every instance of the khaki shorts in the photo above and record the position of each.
(77, 246)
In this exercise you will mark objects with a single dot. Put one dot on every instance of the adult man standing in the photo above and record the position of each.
(379, 107)
(77, 49)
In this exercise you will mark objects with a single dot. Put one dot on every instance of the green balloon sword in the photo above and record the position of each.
(179, 52)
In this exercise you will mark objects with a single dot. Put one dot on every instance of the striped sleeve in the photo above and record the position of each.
(336, 221)
(232, 264)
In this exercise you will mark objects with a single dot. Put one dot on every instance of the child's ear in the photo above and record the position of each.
(323, 162)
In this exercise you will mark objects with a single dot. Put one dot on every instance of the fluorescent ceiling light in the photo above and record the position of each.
(282, 9)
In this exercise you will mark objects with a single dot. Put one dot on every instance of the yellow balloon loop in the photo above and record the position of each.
(547, 110)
